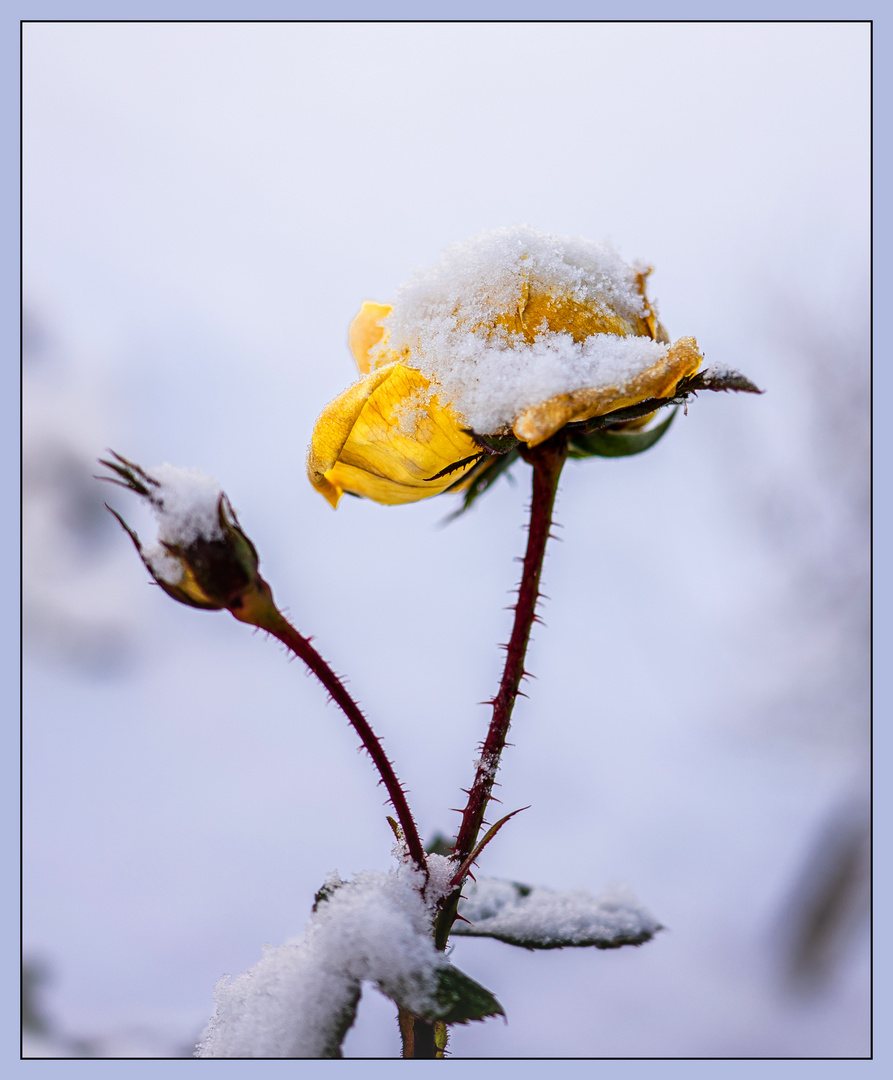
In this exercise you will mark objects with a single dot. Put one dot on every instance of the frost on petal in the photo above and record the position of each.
(541, 918)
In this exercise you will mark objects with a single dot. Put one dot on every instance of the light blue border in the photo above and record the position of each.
(454, 10)
(883, 448)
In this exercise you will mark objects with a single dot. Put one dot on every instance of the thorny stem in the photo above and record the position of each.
(419, 1036)
(422, 1038)
(547, 461)
(267, 617)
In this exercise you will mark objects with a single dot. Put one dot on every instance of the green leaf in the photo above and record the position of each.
(326, 890)
(339, 1023)
(460, 999)
(533, 917)
(445, 994)
(620, 416)
(609, 443)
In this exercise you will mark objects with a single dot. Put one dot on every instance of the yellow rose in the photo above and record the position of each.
(513, 334)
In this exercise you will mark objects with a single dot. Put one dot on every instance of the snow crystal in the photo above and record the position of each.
(299, 1000)
(486, 765)
(441, 869)
(447, 318)
(185, 503)
(542, 918)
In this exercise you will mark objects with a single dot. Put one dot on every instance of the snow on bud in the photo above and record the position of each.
(201, 556)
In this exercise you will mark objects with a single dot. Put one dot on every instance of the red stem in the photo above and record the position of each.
(547, 461)
(277, 625)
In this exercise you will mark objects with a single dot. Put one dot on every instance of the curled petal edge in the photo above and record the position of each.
(541, 421)
(392, 443)
(332, 430)
(366, 332)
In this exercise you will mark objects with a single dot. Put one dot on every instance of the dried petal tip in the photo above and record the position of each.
(715, 378)
(201, 557)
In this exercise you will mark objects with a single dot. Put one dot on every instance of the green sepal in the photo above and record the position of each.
(717, 379)
(608, 443)
(481, 477)
(456, 465)
(495, 444)
(708, 379)
(172, 591)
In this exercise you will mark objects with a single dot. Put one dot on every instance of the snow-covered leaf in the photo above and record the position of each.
(539, 918)
(301, 998)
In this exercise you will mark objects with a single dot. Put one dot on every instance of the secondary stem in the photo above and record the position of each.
(547, 461)
(420, 1036)
(267, 617)
(421, 1039)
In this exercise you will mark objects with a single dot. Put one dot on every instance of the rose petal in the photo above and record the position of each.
(538, 310)
(366, 331)
(384, 438)
(540, 422)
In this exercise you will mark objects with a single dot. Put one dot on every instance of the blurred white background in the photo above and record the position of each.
(206, 206)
